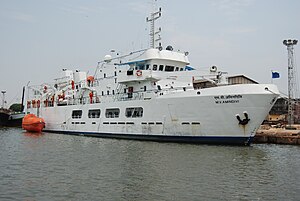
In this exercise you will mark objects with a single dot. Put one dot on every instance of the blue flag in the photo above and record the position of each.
(275, 74)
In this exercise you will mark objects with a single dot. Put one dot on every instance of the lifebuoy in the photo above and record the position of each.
(139, 73)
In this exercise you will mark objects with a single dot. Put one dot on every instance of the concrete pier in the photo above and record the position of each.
(267, 134)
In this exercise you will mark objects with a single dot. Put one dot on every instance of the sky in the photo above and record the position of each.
(38, 38)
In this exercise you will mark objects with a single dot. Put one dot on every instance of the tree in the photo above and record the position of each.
(16, 107)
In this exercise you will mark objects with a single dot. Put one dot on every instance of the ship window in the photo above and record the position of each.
(169, 68)
(181, 69)
(154, 67)
(104, 75)
(130, 72)
(134, 112)
(195, 123)
(177, 68)
(95, 113)
(76, 114)
(141, 67)
(107, 92)
(147, 67)
(161, 67)
(112, 113)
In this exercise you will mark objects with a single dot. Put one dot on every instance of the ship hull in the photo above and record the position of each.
(159, 138)
(15, 120)
(206, 116)
(3, 119)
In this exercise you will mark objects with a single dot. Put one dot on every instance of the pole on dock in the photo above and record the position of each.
(291, 80)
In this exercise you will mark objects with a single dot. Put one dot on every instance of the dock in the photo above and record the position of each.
(267, 134)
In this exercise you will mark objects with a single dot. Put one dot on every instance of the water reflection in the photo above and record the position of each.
(32, 134)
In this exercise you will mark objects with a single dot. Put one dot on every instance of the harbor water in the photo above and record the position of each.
(64, 167)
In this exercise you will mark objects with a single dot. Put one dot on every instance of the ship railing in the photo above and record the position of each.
(131, 96)
(139, 95)
(147, 95)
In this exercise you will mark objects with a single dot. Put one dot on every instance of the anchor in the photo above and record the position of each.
(243, 121)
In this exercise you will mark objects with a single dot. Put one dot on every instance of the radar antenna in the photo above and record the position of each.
(154, 35)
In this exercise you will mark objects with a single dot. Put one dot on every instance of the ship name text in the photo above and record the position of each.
(225, 99)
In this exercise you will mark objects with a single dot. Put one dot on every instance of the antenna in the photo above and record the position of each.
(153, 17)
(291, 79)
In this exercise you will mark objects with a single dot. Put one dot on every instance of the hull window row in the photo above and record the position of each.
(120, 123)
(77, 114)
(152, 123)
(77, 122)
(188, 123)
(132, 112)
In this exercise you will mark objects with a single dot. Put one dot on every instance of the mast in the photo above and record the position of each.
(153, 17)
(22, 103)
(3, 100)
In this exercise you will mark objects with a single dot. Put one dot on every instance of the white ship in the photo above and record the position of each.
(149, 95)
